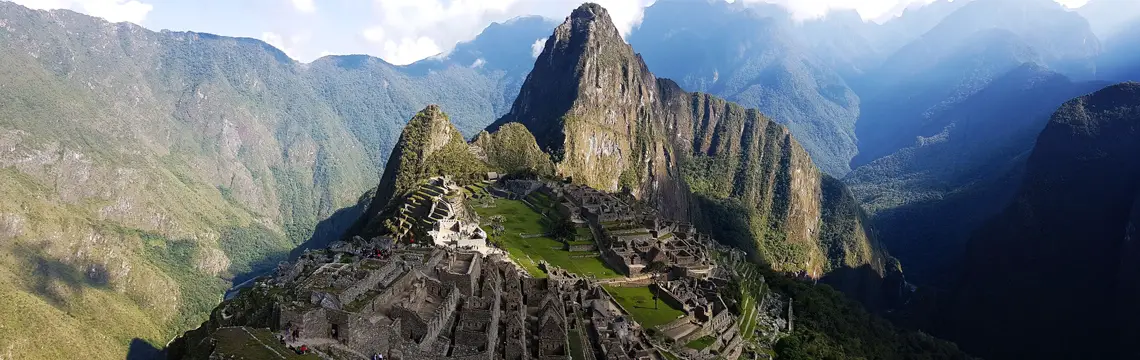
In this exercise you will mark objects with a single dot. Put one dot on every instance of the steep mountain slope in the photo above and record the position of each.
(612, 125)
(960, 56)
(143, 171)
(926, 199)
(1059, 265)
(757, 56)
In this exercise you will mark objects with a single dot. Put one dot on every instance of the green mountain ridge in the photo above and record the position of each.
(144, 171)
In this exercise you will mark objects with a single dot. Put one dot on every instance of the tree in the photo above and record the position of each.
(563, 230)
(497, 224)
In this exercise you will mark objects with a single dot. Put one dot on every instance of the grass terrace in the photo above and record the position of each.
(639, 302)
(520, 220)
(747, 316)
(584, 235)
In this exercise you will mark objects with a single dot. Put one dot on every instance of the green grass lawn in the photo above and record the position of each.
(576, 350)
(521, 219)
(238, 343)
(639, 302)
(701, 343)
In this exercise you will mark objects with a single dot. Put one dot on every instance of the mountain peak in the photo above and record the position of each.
(590, 20)
(590, 11)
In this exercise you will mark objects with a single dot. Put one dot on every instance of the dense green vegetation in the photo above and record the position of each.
(513, 150)
(828, 325)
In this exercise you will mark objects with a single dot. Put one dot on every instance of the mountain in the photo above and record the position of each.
(1060, 265)
(351, 301)
(757, 56)
(611, 124)
(429, 146)
(915, 20)
(960, 56)
(926, 199)
(145, 172)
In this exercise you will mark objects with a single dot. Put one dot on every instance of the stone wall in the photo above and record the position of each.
(360, 287)
(584, 247)
(441, 317)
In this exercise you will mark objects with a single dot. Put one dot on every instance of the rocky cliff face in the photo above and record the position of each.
(1059, 265)
(612, 125)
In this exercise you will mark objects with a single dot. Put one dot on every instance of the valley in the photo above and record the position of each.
(947, 168)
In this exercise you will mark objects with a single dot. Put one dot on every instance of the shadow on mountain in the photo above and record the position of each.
(143, 350)
(877, 293)
(56, 281)
(335, 227)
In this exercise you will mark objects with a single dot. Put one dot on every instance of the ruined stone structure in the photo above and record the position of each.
(440, 303)
(436, 208)
(631, 246)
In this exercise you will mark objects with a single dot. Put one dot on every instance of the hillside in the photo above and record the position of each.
(1060, 256)
(610, 124)
(144, 172)
(927, 198)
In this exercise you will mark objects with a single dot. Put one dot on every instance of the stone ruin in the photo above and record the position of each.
(437, 208)
(439, 303)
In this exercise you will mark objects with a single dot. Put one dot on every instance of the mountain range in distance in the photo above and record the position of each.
(147, 172)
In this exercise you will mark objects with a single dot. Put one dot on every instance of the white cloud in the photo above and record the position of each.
(868, 9)
(537, 47)
(877, 10)
(408, 30)
(1073, 4)
(291, 45)
(305, 6)
(112, 10)
(478, 63)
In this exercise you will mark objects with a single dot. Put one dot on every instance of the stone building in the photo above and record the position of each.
(439, 303)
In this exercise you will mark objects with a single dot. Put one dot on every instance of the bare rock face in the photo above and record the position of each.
(610, 124)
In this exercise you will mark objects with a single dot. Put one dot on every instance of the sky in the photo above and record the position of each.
(398, 31)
